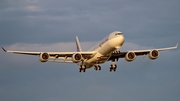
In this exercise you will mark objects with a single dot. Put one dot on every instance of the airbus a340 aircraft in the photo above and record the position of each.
(105, 50)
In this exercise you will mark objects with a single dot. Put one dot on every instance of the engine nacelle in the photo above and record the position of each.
(43, 57)
(76, 57)
(154, 54)
(130, 56)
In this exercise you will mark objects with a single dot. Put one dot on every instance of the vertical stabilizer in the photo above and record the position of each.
(78, 45)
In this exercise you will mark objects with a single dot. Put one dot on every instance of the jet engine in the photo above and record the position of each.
(76, 57)
(154, 54)
(130, 56)
(43, 57)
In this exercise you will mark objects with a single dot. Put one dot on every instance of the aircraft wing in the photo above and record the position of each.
(118, 54)
(53, 54)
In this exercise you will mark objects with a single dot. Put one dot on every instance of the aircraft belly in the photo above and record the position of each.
(102, 56)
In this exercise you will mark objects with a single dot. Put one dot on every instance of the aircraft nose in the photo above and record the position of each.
(121, 40)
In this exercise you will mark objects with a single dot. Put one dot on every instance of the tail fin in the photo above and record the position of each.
(78, 45)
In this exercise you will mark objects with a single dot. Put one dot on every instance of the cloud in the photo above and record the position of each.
(52, 19)
(33, 8)
(32, 1)
(134, 46)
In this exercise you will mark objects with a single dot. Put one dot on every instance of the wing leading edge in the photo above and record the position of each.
(118, 54)
(52, 54)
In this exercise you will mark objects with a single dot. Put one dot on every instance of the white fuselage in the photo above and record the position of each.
(104, 49)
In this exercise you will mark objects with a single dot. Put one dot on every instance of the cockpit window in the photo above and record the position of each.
(118, 34)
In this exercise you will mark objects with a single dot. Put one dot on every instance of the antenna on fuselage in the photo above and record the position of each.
(78, 45)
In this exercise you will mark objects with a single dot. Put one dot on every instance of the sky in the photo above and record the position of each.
(51, 25)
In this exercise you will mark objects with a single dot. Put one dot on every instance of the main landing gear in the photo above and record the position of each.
(113, 66)
(97, 67)
(82, 68)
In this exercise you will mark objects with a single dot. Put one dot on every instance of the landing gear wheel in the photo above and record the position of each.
(97, 67)
(80, 69)
(115, 67)
(84, 70)
(110, 70)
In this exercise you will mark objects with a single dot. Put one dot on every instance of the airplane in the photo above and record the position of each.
(106, 50)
